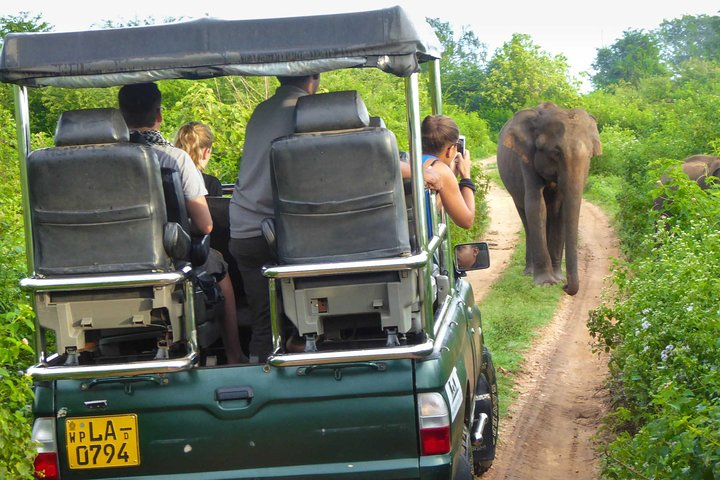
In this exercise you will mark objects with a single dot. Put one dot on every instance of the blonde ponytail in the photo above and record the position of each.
(194, 137)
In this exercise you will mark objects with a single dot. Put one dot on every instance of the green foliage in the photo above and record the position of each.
(662, 328)
(690, 37)
(200, 101)
(604, 190)
(621, 106)
(22, 22)
(16, 453)
(616, 141)
(384, 96)
(12, 246)
(634, 56)
(47, 104)
(462, 65)
(659, 118)
(662, 323)
(521, 75)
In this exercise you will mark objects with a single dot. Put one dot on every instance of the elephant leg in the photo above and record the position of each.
(528, 253)
(555, 230)
(536, 241)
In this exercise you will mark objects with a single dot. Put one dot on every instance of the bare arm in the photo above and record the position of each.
(432, 179)
(458, 203)
(199, 215)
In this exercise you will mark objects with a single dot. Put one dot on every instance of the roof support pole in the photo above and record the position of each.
(22, 125)
(412, 102)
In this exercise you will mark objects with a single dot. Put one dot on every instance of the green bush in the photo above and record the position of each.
(663, 331)
(617, 142)
(16, 453)
(16, 325)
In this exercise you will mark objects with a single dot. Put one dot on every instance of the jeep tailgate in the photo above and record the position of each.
(351, 421)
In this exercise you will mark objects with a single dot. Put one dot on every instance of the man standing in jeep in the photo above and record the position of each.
(252, 201)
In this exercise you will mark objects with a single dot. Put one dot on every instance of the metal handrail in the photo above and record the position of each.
(361, 266)
(41, 284)
(43, 372)
(418, 351)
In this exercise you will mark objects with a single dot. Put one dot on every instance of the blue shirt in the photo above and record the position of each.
(428, 211)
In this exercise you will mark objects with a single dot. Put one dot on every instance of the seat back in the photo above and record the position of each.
(339, 197)
(337, 185)
(96, 200)
(174, 199)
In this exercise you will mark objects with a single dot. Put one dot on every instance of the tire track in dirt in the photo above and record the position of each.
(547, 433)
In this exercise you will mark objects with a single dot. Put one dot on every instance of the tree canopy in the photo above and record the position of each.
(636, 55)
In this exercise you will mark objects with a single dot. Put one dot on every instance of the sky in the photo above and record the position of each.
(573, 28)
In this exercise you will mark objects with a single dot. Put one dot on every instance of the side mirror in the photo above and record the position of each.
(472, 256)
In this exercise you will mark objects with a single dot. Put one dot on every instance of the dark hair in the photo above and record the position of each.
(298, 81)
(139, 104)
(437, 132)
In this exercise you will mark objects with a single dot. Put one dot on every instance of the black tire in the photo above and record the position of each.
(486, 402)
(465, 463)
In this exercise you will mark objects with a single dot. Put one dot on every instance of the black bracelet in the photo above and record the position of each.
(466, 182)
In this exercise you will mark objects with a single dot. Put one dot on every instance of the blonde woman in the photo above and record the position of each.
(196, 139)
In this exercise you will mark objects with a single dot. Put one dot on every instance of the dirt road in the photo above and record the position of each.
(548, 431)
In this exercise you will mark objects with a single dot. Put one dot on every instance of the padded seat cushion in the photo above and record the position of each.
(96, 209)
(338, 193)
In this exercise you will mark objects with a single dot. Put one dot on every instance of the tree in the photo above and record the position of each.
(634, 56)
(689, 37)
(462, 65)
(22, 22)
(521, 75)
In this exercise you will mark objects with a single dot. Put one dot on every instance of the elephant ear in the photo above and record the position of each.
(518, 135)
(715, 167)
(595, 135)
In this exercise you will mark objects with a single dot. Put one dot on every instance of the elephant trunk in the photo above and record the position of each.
(571, 219)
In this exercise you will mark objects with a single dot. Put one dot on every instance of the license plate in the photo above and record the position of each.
(102, 442)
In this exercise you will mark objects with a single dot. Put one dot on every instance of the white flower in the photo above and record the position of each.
(645, 325)
(667, 351)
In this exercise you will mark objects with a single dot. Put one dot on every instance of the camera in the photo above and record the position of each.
(461, 145)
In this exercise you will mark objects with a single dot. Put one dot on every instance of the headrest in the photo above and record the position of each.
(88, 127)
(377, 122)
(330, 111)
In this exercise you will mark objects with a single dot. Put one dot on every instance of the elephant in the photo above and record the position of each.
(543, 157)
(697, 168)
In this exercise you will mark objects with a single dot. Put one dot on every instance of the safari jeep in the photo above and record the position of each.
(394, 380)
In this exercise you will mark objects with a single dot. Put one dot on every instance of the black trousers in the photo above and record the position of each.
(250, 255)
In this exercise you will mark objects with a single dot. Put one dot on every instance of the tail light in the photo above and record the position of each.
(46, 461)
(434, 424)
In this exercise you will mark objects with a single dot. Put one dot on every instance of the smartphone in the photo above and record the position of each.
(461, 145)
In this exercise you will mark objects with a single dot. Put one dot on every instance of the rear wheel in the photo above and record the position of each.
(465, 464)
(486, 401)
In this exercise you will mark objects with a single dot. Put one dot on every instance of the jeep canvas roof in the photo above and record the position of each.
(388, 39)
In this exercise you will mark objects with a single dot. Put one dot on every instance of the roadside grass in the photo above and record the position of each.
(513, 313)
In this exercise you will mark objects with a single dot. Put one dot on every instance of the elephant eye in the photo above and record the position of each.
(556, 152)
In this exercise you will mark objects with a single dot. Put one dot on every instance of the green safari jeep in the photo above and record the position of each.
(394, 382)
